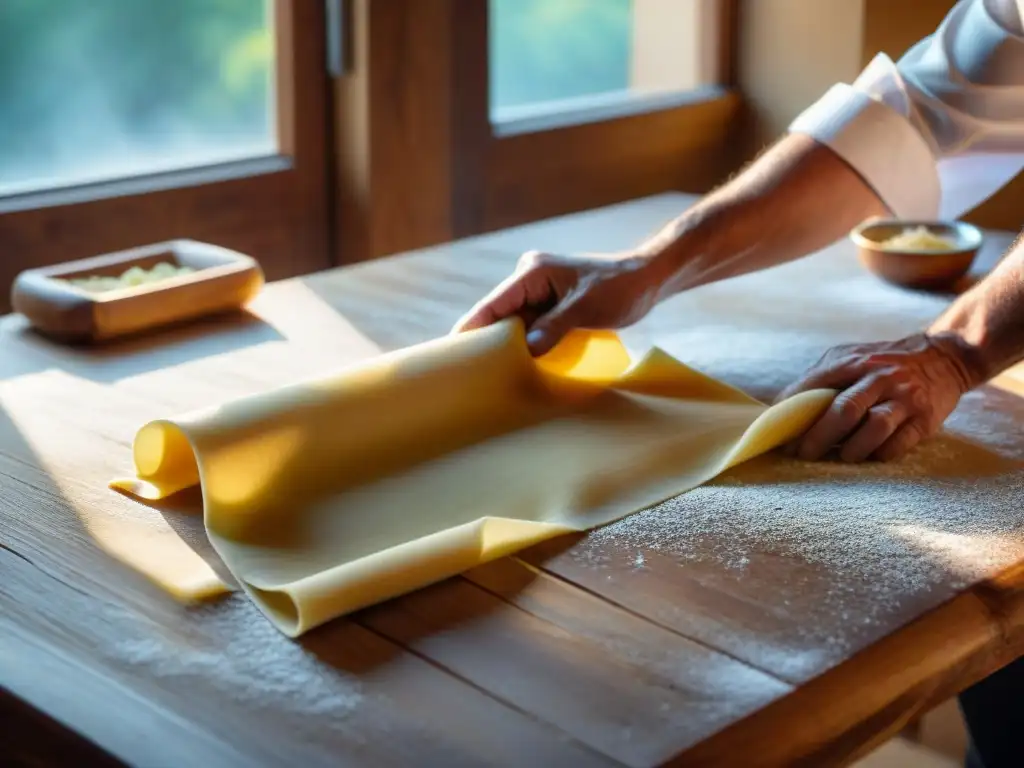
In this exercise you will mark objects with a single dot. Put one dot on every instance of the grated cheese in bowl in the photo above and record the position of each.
(919, 239)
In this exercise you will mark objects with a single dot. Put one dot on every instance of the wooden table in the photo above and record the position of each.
(786, 614)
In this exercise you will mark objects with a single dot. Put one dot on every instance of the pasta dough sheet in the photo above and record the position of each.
(336, 493)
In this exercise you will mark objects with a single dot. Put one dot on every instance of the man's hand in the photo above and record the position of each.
(555, 294)
(892, 395)
(757, 220)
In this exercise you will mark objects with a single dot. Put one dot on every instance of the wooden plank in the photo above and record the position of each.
(228, 690)
(793, 568)
(613, 681)
(843, 715)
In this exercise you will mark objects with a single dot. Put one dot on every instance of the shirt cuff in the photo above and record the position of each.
(881, 145)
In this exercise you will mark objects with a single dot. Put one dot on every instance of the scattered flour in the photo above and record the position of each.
(849, 546)
(988, 418)
(240, 653)
(849, 552)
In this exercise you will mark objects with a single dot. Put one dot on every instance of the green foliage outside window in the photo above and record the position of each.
(117, 85)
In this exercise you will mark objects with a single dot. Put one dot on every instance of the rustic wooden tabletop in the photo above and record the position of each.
(785, 614)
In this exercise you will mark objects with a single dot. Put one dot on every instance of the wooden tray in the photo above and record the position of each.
(223, 280)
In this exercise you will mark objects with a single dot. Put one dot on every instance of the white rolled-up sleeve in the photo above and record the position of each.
(942, 129)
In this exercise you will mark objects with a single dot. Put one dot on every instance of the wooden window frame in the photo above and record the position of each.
(393, 152)
(276, 209)
(419, 162)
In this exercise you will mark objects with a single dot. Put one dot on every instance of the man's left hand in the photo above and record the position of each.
(892, 395)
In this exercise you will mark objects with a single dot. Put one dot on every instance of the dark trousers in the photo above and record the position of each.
(994, 711)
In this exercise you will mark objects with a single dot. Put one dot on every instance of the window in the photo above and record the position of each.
(128, 122)
(543, 51)
(587, 102)
(592, 59)
(99, 90)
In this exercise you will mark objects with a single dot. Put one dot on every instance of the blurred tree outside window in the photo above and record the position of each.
(551, 50)
(93, 90)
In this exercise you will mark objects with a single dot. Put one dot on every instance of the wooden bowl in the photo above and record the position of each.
(222, 280)
(927, 269)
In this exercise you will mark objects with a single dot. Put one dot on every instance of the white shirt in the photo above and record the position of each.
(943, 129)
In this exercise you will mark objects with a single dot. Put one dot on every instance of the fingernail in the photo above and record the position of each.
(534, 338)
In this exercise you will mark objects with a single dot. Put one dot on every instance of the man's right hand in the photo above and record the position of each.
(795, 199)
(555, 294)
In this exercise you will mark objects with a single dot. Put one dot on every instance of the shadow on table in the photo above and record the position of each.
(183, 513)
(110, 362)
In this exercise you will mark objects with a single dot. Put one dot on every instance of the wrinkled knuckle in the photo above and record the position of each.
(847, 408)
(912, 436)
(922, 405)
(912, 395)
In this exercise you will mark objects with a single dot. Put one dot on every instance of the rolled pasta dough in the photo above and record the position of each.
(336, 493)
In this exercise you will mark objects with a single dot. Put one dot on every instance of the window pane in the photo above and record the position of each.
(94, 90)
(563, 53)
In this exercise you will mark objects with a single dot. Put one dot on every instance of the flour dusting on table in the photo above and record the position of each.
(244, 655)
(854, 544)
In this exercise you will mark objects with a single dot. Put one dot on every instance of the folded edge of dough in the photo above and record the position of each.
(779, 424)
(299, 606)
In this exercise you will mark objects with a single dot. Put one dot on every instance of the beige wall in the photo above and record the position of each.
(894, 25)
(666, 52)
(792, 51)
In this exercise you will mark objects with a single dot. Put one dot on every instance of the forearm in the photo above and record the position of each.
(792, 201)
(986, 324)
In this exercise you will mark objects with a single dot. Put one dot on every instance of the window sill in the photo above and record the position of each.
(139, 185)
(565, 113)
